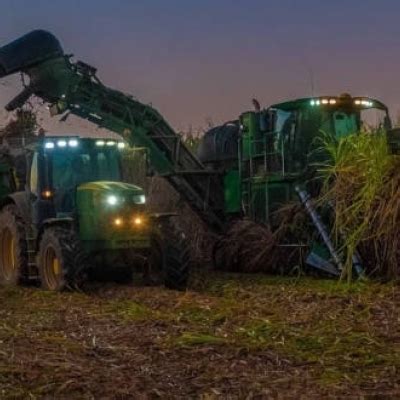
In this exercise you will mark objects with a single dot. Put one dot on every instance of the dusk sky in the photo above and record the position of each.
(195, 60)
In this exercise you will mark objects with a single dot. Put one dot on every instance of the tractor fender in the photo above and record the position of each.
(67, 222)
(21, 201)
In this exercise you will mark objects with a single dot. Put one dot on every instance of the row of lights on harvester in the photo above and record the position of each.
(358, 102)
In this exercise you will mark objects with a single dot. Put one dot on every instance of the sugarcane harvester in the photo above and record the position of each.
(271, 157)
(248, 168)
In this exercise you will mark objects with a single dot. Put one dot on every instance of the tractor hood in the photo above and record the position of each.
(112, 188)
(112, 211)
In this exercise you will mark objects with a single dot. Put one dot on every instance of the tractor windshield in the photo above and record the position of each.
(70, 168)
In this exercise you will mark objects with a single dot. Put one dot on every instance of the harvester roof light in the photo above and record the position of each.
(325, 101)
(332, 101)
(317, 102)
(62, 143)
(121, 145)
(100, 143)
(312, 102)
(49, 145)
(357, 102)
(73, 143)
(110, 143)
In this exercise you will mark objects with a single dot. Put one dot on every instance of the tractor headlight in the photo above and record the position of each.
(112, 200)
(139, 199)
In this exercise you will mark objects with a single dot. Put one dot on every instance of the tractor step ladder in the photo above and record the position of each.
(32, 262)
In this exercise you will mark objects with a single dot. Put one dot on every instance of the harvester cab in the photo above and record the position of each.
(301, 125)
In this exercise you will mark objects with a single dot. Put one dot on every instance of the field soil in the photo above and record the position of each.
(239, 337)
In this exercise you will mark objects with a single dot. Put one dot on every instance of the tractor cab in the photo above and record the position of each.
(80, 180)
(61, 165)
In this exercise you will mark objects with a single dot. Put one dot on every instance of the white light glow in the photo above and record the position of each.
(112, 200)
(121, 145)
(110, 143)
(139, 199)
(100, 143)
(49, 145)
(73, 143)
(62, 143)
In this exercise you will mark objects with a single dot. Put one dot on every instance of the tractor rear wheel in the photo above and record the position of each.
(13, 247)
(61, 259)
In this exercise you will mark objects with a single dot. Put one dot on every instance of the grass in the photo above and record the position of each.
(343, 336)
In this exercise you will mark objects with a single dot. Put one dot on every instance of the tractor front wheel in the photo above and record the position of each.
(169, 260)
(60, 258)
(13, 248)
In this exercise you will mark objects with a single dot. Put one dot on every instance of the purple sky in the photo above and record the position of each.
(195, 60)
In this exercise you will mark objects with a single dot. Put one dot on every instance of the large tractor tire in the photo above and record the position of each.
(169, 260)
(13, 247)
(62, 262)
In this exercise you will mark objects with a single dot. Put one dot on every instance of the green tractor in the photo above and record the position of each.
(69, 214)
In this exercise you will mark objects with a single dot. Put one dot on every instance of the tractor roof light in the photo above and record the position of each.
(110, 143)
(62, 143)
(73, 143)
(49, 145)
(121, 145)
(100, 143)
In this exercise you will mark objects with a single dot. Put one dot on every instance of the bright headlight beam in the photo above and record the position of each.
(139, 199)
(112, 200)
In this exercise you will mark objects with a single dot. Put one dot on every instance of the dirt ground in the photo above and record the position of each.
(240, 337)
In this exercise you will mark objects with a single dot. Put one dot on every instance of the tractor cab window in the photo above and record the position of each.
(72, 168)
(68, 168)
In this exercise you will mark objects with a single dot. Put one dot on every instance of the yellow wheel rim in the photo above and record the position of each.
(8, 254)
(52, 269)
